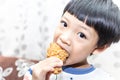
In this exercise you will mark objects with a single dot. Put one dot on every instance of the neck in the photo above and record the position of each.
(80, 65)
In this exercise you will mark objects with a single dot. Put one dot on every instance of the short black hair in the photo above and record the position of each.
(102, 15)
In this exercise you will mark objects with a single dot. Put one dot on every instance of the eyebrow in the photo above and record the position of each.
(83, 27)
(64, 17)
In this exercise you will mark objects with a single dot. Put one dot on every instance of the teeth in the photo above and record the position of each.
(57, 51)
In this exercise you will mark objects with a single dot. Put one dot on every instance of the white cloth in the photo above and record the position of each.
(97, 74)
(69, 73)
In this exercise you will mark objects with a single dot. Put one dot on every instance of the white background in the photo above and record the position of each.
(27, 27)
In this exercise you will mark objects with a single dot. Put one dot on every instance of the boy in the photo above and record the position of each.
(86, 27)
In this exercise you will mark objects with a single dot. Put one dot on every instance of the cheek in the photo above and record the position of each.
(56, 35)
(81, 51)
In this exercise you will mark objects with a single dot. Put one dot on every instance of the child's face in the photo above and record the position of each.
(78, 39)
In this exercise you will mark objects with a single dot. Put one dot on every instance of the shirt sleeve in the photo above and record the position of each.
(27, 76)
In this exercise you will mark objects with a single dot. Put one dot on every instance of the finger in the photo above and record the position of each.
(40, 73)
(55, 59)
(46, 66)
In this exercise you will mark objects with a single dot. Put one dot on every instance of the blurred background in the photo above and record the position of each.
(27, 28)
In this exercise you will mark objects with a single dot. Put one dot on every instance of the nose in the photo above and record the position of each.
(66, 38)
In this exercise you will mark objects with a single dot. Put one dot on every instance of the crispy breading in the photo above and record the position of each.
(57, 51)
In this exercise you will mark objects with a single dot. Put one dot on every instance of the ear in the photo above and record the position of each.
(100, 49)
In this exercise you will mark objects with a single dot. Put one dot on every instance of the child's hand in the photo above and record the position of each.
(43, 69)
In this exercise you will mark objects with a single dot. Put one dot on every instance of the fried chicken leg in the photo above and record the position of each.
(57, 51)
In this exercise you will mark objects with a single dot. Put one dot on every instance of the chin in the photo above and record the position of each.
(66, 63)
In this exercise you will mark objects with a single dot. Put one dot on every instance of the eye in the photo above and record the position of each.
(81, 35)
(63, 23)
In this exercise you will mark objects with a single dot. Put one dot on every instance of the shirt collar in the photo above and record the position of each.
(72, 70)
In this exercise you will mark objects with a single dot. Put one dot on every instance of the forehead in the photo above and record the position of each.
(73, 18)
